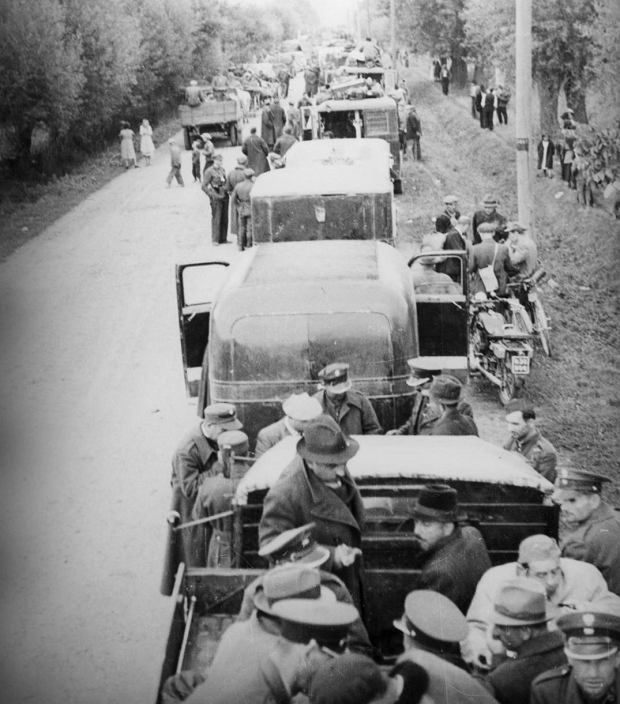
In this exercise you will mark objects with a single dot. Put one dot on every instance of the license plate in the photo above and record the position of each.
(520, 364)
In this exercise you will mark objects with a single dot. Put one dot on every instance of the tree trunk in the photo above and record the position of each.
(548, 92)
(459, 71)
(576, 99)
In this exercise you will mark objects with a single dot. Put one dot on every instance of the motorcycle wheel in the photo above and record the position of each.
(542, 327)
(510, 386)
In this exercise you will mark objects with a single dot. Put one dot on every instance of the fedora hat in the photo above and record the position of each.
(324, 441)
(437, 502)
(291, 582)
(521, 602)
(446, 389)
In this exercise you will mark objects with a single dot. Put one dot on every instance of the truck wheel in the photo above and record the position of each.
(398, 186)
(233, 134)
(187, 138)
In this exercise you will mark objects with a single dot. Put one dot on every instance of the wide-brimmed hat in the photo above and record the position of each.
(446, 389)
(335, 377)
(323, 441)
(291, 582)
(437, 502)
(302, 407)
(296, 546)
(489, 200)
(521, 602)
(431, 616)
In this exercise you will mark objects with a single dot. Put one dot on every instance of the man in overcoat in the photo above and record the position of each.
(590, 527)
(447, 391)
(349, 408)
(490, 253)
(278, 118)
(489, 213)
(242, 199)
(453, 558)
(316, 487)
(234, 177)
(267, 130)
(298, 409)
(256, 150)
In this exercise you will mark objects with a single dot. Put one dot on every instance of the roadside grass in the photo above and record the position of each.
(577, 391)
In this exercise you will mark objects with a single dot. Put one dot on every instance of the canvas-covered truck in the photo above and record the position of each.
(498, 492)
(217, 117)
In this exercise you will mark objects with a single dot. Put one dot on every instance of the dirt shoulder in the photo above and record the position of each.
(577, 392)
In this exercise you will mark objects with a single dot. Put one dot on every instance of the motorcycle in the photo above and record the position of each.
(499, 350)
(527, 291)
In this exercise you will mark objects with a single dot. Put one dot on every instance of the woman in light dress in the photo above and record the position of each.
(147, 148)
(128, 152)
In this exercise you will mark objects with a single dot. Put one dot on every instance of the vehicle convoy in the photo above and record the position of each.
(222, 117)
(286, 310)
(363, 118)
(323, 203)
(498, 492)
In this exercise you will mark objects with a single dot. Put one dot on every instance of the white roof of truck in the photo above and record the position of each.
(416, 457)
(345, 152)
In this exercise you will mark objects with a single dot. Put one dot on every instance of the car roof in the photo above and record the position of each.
(424, 458)
(362, 104)
(321, 180)
(336, 151)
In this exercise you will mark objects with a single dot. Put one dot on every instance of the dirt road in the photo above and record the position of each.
(94, 404)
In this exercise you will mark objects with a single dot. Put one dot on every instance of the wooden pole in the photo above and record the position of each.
(393, 32)
(523, 9)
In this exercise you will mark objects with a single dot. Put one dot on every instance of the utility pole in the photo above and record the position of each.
(523, 10)
(393, 32)
(368, 18)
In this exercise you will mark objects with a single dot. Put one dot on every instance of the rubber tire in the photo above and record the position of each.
(542, 328)
(186, 138)
(510, 387)
(398, 186)
(233, 135)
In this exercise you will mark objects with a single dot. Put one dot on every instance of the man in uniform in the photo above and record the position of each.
(349, 408)
(423, 413)
(297, 548)
(242, 203)
(192, 462)
(273, 654)
(592, 676)
(590, 528)
(490, 214)
(569, 585)
(438, 618)
(214, 185)
(234, 177)
(522, 250)
(298, 410)
(317, 487)
(525, 438)
(447, 390)
(453, 558)
(520, 618)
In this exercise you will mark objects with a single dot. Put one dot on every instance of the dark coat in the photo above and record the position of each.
(451, 422)
(511, 681)
(413, 126)
(278, 120)
(356, 415)
(284, 143)
(452, 267)
(454, 566)
(597, 541)
(558, 686)
(215, 496)
(550, 154)
(481, 216)
(482, 255)
(300, 497)
(256, 150)
(234, 177)
(267, 131)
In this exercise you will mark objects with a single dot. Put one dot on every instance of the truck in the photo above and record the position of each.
(498, 492)
(223, 117)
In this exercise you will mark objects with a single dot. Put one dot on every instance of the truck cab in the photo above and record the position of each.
(282, 312)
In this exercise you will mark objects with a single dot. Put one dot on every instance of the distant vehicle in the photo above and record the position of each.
(324, 202)
(223, 117)
(364, 118)
(283, 311)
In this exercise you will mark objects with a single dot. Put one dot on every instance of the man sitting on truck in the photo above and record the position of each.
(426, 280)
(298, 409)
(349, 408)
(446, 390)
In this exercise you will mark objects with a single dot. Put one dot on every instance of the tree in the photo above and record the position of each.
(606, 57)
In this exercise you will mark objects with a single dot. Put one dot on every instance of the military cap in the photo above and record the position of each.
(446, 389)
(295, 546)
(299, 583)
(324, 441)
(336, 376)
(437, 502)
(586, 482)
(590, 635)
(222, 414)
(431, 616)
(302, 407)
(421, 372)
(538, 547)
(327, 622)
(351, 678)
(521, 602)
(237, 440)
(489, 200)
(448, 200)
